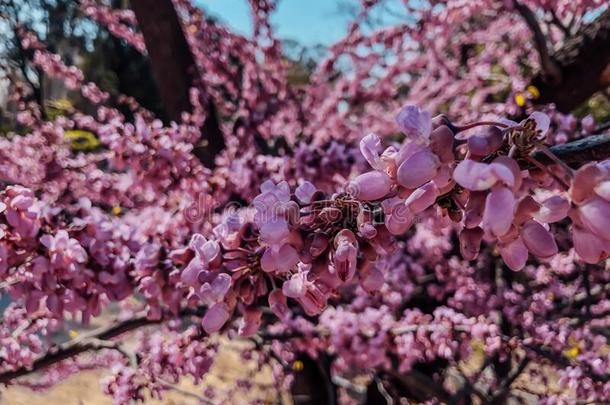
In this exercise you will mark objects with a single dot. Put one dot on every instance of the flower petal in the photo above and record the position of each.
(543, 122)
(370, 186)
(595, 214)
(553, 209)
(514, 254)
(590, 248)
(418, 169)
(415, 123)
(370, 146)
(499, 210)
(538, 240)
(470, 243)
(304, 192)
(422, 198)
(215, 317)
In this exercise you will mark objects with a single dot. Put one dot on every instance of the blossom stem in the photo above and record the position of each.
(479, 124)
(546, 169)
(549, 153)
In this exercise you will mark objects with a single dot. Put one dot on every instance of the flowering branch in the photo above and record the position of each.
(95, 340)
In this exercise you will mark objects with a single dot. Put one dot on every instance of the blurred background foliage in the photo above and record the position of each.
(118, 68)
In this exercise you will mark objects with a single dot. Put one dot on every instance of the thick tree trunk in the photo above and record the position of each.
(175, 70)
(584, 65)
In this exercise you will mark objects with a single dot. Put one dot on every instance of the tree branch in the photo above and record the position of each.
(577, 153)
(549, 67)
(584, 63)
(175, 70)
(87, 342)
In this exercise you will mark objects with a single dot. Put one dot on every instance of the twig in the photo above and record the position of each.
(549, 66)
(505, 386)
(184, 392)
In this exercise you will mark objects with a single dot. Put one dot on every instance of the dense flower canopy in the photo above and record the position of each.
(404, 212)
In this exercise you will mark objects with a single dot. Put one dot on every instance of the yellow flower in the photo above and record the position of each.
(520, 99)
(572, 352)
(82, 140)
(116, 211)
(533, 90)
(72, 333)
(298, 365)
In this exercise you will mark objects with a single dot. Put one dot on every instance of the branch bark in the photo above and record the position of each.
(577, 153)
(550, 69)
(584, 65)
(175, 70)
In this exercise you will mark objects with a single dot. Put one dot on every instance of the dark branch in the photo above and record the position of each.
(584, 63)
(549, 67)
(577, 153)
(87, 342)
(175, 70)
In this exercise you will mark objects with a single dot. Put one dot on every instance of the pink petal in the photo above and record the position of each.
(400, 220)
(344, 260)
(543, 122)
(603, 190)
(418, 169)
(485, 143)
(422, 198)
(498, 166)
(538, 240)
(553, 209)
(268, 263)
(250, 322)
(220, 286)
(370, 186)
(370, 146)
(595, 214)
(190, 274)
(475, 206)
(590, 248)
(295, 287)
(470, 243)
(197, 242)
(313, 302)
(514, 254)
(476, 176)
(372, 280)
(278, 304)
(304, 192)
(286, 258)
(441, 144)
(414, 123)
(585, 180)
(275, 231)
(47, 241)
(215, 317)
(210, 251)
(499, 210)
(526, 208)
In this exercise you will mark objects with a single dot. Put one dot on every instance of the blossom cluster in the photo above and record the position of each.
(416, 247)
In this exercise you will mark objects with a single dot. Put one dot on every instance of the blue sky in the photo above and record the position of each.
(310, 22)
